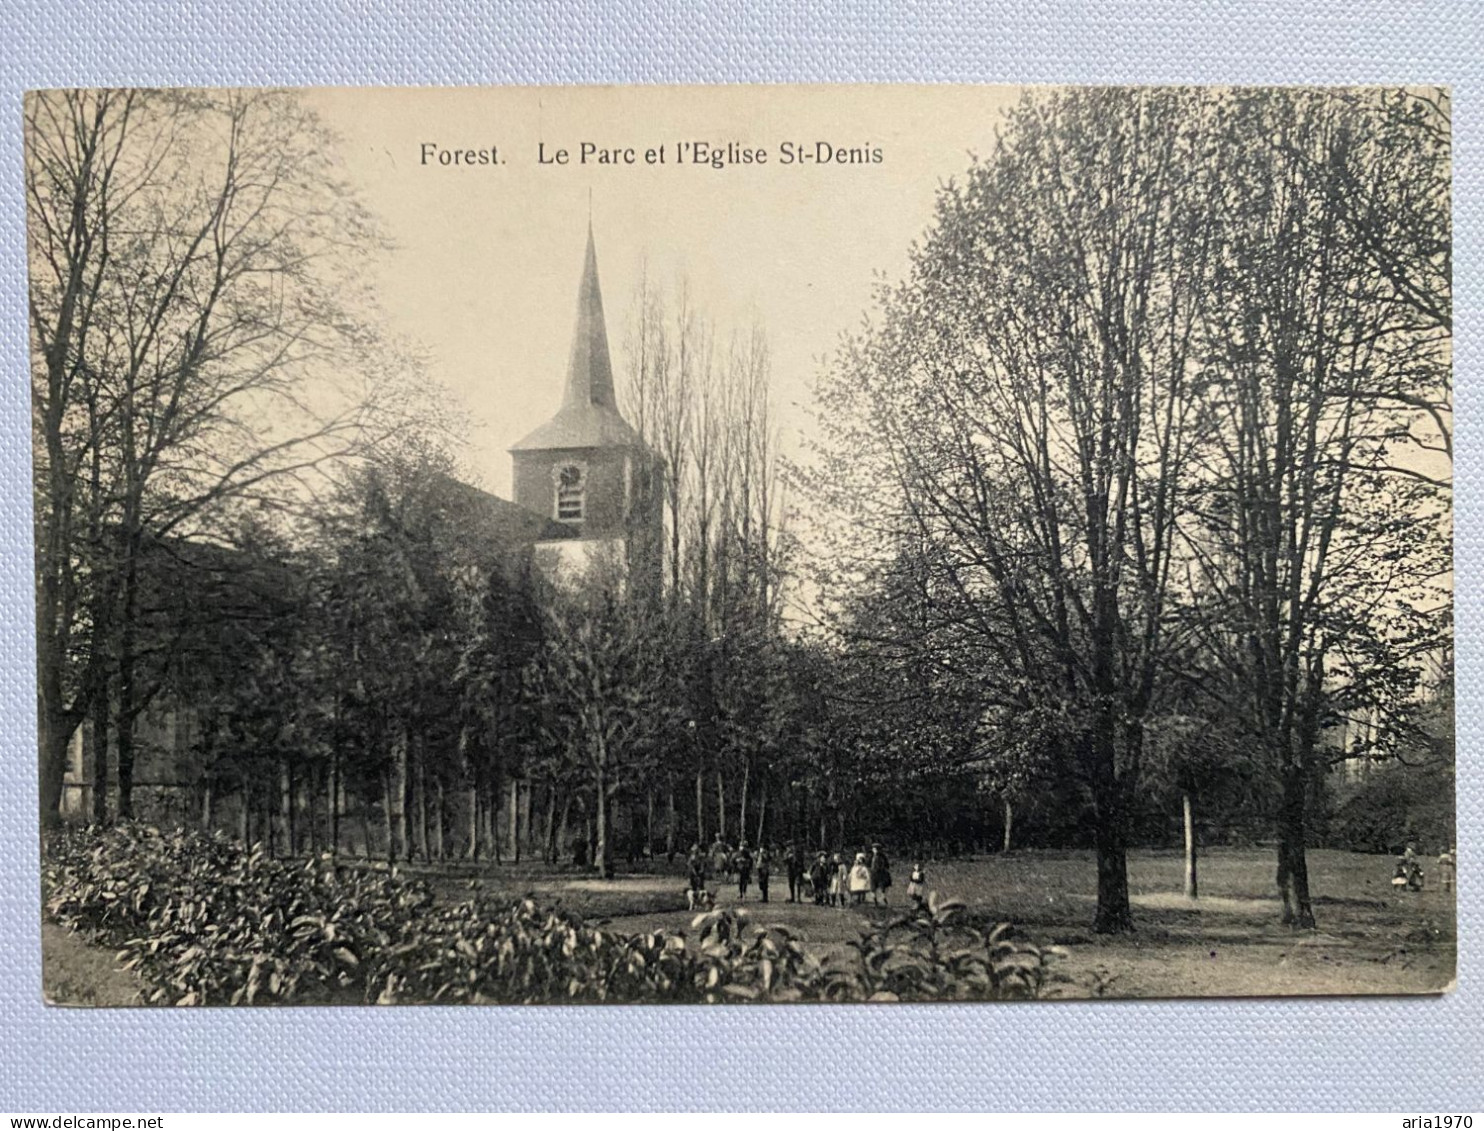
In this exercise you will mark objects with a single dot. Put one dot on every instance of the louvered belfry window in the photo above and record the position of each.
(569, 498)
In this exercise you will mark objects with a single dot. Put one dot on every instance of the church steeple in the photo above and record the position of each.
(590, 369)
(586, 469)
(589, 415)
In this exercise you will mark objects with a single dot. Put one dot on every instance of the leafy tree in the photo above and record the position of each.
(598, 673)
(1317, 566)
(1027, 399)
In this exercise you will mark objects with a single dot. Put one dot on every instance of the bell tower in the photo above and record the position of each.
(586, 468)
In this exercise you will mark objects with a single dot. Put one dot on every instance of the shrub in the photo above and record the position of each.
(488, 951)
(205, 921)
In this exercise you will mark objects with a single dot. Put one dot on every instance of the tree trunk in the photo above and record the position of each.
(439, 812)
(602, 852)
(307, 792)
(245, 807)
(600, 849)
(564, 837)
(762, 815)
(721, 805)
(400, 785)
(648, 823)
(700, 807)
(471, 799)
(1009, 821)
(515, 820)
(387, 819)
(490, 806)
(124, 736)
(100, 758)
(332, 804)
(286, 805)
(1192, 888)
(55, 740)
(53, 723)
(363, 810)
(307, 795)
(1293, 864)
(670, 819)
(549, 843)
(421, 789)
(208, 799)
(527, 826)
(742, 806)
(1114, 915)
(124, 728)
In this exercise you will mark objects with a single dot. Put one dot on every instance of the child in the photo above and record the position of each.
(916, 892)
(764, 866)
(860, 879)
(1447, 868)
(839, 880)
(819, 879)
(696, 865)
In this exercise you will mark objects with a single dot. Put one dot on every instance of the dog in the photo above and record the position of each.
(701, 900)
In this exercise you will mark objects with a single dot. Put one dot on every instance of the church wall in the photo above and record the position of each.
(167, 774)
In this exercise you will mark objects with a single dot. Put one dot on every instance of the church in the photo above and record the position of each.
(586, 496)
(586, 469)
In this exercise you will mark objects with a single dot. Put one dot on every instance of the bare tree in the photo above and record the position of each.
(192, 261)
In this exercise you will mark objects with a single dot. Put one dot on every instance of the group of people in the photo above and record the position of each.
(744, 863)
(828, 879)
(834, 880)
(1408, 875)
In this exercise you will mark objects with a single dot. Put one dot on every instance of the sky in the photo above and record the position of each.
(486, 257)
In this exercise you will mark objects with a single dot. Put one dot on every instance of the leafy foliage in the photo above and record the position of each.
(1142, 437)
(205, 921)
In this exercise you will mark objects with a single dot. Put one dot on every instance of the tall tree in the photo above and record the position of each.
(192, 260)
(1321, 564)
(1028, 393)
(600, 673)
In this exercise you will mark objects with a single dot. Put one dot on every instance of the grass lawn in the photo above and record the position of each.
(74, 973)
(1228, 943)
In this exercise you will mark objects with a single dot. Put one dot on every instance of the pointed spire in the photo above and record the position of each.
(589, 416)
(589, 369)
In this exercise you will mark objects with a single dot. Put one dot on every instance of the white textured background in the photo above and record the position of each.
(1421, 1055)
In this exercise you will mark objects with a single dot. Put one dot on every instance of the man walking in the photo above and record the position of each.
(793, 863)
(696, 867)
(743, 864)
(880, 874)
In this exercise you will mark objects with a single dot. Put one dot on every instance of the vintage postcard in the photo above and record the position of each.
(742, 544)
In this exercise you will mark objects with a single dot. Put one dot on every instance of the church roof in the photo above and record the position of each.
(589, 416)
(497, 520)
